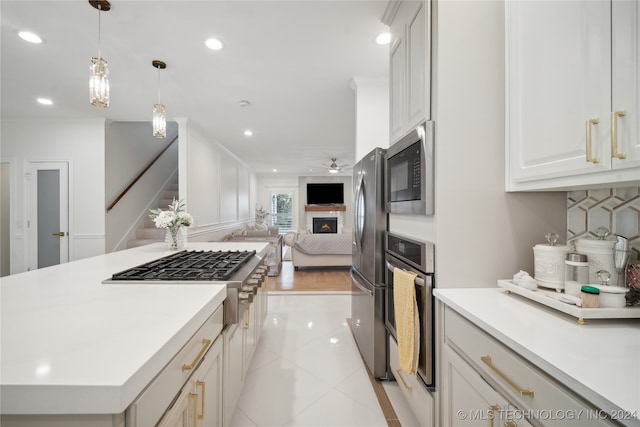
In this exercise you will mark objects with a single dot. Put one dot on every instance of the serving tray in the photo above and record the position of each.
(548, 297)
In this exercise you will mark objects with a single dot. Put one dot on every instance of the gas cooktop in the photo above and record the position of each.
(185, 265)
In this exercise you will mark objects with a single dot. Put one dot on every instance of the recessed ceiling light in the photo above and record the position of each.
(248, 133)
(275, 170)
(214, 44)
(44, 101)
(383, 38)
(30, 37)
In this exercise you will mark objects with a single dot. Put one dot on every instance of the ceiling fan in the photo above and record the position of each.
(334, 167)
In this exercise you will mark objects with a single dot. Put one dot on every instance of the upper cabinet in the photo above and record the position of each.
(409, 62)
(573, 94)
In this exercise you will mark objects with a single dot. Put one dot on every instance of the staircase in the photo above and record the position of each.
(149, 233)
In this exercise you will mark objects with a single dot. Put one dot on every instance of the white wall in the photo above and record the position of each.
(218, 188)
(130, 147)
(372, 114)
(82, 144)
(482, 234)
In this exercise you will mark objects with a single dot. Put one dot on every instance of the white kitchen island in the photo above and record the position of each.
(576, 374)
(73, 345)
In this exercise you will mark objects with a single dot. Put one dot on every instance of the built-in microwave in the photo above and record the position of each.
(409, 173)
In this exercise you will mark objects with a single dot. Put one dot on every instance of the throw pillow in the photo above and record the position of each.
(262, 227)
(304, 231)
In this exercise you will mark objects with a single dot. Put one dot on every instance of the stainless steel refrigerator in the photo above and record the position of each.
(367, 271)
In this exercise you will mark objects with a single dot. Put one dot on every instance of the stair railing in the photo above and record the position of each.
(137, 178)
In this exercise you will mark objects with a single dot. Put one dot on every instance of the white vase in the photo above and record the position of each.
(175, 238)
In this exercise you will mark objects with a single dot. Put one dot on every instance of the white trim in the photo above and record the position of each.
(13, 234)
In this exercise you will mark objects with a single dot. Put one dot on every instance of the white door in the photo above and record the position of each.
(48, 220)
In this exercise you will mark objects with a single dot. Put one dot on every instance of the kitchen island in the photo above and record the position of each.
(72, 344)
(486, 331)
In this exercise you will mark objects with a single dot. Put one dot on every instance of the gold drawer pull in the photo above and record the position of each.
(487, 361)
(492, 413)
(409, 388)
(510, 423)
(194, 396)
(590, 158)
(614, 134)
(201, 385)
(205, 345)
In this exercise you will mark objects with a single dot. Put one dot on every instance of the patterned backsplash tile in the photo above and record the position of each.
(617, 209)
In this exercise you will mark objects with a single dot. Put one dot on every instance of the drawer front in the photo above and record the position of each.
(536, 394)
(147, 409)
(419, 399)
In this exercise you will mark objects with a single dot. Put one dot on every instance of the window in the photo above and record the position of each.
(282, 211)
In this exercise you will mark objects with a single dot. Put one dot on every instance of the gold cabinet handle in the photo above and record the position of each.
(59, 234)
(492, 413)
(194, 396)
(409, 388)
(247, 318)
(590, 158)
(488, 362)
(205, 345)
(510, 423)
(614, 134)
(201, 385)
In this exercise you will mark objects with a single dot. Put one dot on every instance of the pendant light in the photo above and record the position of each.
(159, 119)
(99, 71)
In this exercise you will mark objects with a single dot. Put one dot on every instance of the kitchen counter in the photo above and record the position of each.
(73, 345)
(599, 360)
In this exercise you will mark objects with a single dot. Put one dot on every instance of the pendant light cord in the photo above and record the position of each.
(158, 84)
(99, 50)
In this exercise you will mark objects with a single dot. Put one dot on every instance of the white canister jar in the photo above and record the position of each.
(549, 265)
(599, 254)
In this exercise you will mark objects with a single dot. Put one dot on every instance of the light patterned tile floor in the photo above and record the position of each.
(307, 370)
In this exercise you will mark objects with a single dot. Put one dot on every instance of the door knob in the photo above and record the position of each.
(59, 234)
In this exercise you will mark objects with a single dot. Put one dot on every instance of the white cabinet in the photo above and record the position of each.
(481, 377)
(409, 67)
(470, 400)
(419, 399)
(572, 91)
(200, 400)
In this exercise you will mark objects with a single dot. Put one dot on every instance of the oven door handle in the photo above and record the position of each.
(355, 281)
(418, 281)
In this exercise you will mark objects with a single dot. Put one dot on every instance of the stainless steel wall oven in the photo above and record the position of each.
(417, 257)
(409, 173)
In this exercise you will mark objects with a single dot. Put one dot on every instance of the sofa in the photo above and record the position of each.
(319, 250)
(257, 230)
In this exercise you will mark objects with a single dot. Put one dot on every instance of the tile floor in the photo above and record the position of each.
(307, 370)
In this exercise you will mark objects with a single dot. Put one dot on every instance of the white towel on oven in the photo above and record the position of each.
(407, 320)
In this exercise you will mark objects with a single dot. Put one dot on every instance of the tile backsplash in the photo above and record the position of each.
(617, 209)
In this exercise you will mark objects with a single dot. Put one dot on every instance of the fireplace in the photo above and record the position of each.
(325, 225)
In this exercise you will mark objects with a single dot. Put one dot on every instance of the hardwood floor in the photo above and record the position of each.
(310, 279)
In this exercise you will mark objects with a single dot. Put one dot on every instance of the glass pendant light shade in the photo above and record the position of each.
(99, 70)
(99, 83)
(159, 121)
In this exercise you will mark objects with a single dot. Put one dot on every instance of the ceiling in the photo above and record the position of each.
(292, 60)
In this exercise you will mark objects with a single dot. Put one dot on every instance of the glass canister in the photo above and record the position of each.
(576, 271)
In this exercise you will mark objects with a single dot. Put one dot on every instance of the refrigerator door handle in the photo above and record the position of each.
(359, 219)
(356, 281)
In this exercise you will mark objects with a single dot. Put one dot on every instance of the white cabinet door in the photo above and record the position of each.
(417, 88)
(467, 400)
(559, 57)
(207, 384)
(409, 68)
(233, 369)
(396, 86)
(626, 83)
(184, 410)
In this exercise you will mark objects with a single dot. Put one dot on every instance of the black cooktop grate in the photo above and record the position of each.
(188, 266)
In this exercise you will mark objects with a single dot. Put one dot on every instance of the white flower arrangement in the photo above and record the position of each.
(261, 215)
(175, 217)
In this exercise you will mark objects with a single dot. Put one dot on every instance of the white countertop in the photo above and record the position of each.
(70, 344)
(599, 360)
